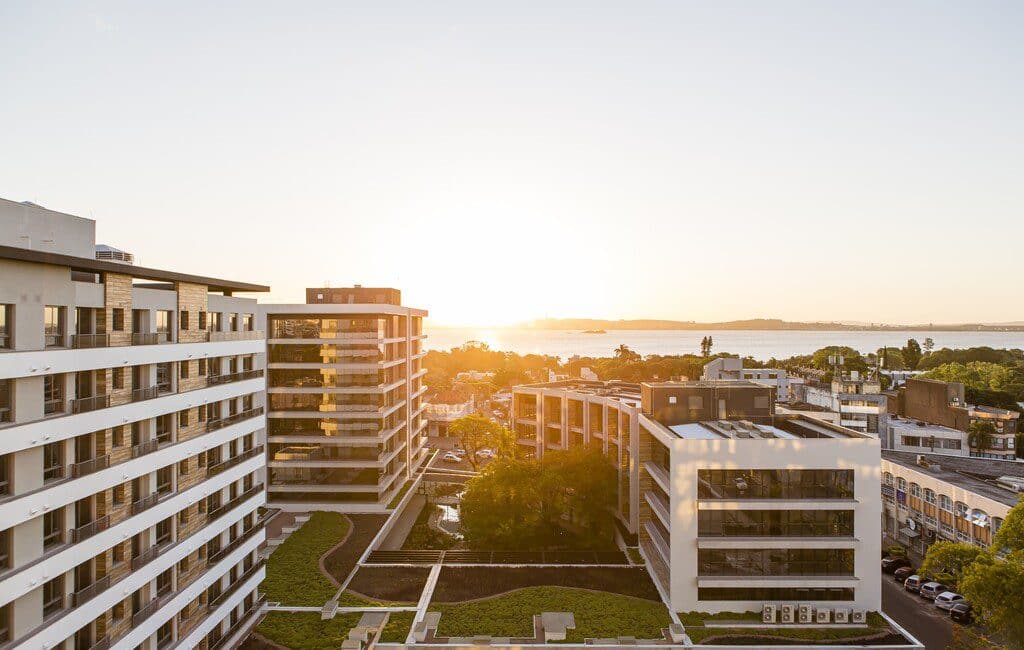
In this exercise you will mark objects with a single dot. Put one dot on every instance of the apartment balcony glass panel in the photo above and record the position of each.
(775, 484)
(775, 562)
(775, 523)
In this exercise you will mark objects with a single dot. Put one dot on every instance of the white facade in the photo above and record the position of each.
(731, 368)
(907, 434)
(131, 464)
(860, 403)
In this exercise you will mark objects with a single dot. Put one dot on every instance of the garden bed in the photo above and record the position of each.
(397, 628)
(457, 584)
(597, 614)
(393, 584)
(293, 569)
(424, 537)
(340, 562)
(877, 631)
(305, 630)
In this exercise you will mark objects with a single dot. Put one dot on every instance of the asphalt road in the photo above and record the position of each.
(928, 623)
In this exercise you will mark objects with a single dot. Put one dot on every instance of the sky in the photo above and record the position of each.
(502, 162)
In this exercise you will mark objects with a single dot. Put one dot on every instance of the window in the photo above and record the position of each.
(183, 418)
(119, 553)
(119, 437)
(183, 369)
(945, 503)
(775, 484)
(901, 484)
(163, 531)
(961, 510)
(202, 320)
(247, 322)
(53, 461)
(183, 517)
(5, 474)
(53, 596)
(6, 329)
(233, 322)
(119, 494)
(184, 319)
(119, 610)
(887, 478)
(183, 467)
(5, 623)
(54, 326)
(53, 394)
(202, 367)
(163, 480)
(915, 490)
(163, 324)
(117, 316)
(800, 594)
(775, 523)
(929, 496)
(671, 399)
(53, 528)
(117, 376)
(775, 562)
(5, 401)
(5, 549)
(163, 377)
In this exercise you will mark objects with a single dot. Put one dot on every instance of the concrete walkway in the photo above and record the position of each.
(404, 524)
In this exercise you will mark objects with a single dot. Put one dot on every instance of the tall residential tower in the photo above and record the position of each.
(345, 407)
(131, 465)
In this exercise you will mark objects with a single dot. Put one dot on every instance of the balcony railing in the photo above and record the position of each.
(145, 557)
(144, 448)
(89, 466)
(145, 503)
(237, 584)
(85, 593)
(253, 609)
(243, 335)
(90, 340)
(232, 545)
(53, 340)
(213, 380)
(88, 530)
(220, 510)
(139, 617)
(101, 644)
(51, 406)
(140, 394)
(86, 404)
(213, 425)
(231, 462)
(145, 338)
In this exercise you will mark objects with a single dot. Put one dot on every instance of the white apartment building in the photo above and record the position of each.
(918, 436)
(345, 399)
(856, 397)
(731, 368)
(131, 459)
(732, 505)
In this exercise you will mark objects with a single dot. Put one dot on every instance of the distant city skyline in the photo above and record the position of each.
(854, 162)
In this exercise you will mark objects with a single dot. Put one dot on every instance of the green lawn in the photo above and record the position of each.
(401, 493)
(305, 630)
(397, 628)
(598, 614)
(293, 570)
(694, 624)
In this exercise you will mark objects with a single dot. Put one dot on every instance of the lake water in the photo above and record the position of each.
(760, 344)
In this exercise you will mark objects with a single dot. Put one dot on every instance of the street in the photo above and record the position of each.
(929, 624)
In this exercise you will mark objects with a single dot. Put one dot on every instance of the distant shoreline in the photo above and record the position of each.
(589, 327)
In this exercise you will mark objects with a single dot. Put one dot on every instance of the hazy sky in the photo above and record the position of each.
(501, 162)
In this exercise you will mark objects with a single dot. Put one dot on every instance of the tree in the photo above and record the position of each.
(706, 344)
(945, 561)
(626, 354)
(891, 358)
(1010, 535)
(911, 354)
(929, 345)
(996, 590)
(474, 432)
(980, 434)
(852, 359)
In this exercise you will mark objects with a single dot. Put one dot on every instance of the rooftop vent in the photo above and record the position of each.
(1011, 483)
(111, 254)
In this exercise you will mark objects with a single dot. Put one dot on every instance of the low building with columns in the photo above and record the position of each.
(935, 497)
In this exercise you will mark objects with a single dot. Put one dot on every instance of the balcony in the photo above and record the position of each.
(82, 341)
(145, 557)
(243, 335)
(214, 380)
(217, 468)
(144, 448)
(213, 425)
(141, 394)
(139, 617)
(86, 404)
(233, 544)
(243, 621)
(146, 338)
(86, 531)
(232, 502)
(86, 467)
(145, 503)
(52, 406)
(237, 584)
(86, 593)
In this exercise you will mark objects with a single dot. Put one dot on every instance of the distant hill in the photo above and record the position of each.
(755, 324)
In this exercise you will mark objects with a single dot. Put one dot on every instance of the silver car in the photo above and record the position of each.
(931, 590)
(947, 599)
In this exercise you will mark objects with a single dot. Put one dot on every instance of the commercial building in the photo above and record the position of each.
(731, 368)
(732, 505)
(943, 403)
(858, 398)
(908, 434)
(931, 497)
(131, 458)
(344, 392)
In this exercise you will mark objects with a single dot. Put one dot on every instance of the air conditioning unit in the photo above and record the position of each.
(805, 614)
(858, 616)
(842, 615)
(823, 615)
(787, 613)
(768, 613)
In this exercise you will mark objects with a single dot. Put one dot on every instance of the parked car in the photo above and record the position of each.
(452, 457)
(485, 453)
(913, 584)
(901, 574)
(890, 564)
(931, 590)
(947, 599)
(459, 450)
(961, 612)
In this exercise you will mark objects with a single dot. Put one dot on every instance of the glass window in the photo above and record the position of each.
(775, 593)
(775, 523)
(775, 484)
(929, 496)
(117, 316)
(53, 528)
(5, 401)
(53, 596)
(163, 324)
(775, 562)
(6, 326)
(54, 325)
(53, 461)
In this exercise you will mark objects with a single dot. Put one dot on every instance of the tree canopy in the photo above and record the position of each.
(982, 376)
(475, 432)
